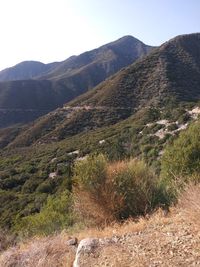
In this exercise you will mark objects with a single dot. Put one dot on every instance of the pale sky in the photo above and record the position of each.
(53, 30)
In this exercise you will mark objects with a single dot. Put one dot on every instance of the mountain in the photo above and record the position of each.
(167, 76)
(136, 112)
(25, 70)
(103, 61)
(24, 100)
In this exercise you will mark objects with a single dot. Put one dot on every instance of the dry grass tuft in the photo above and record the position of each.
(6, 239)
(189, 203)
(93, 209)
(116, 167)
(41, 252)
(128, 226)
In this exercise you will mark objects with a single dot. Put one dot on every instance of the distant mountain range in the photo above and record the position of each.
(31, 89)
(26, 70)
(169, 74)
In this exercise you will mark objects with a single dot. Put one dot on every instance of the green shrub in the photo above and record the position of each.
(182, 158)
(31, 184)
(90, 174)
(136, 183)
(55, 215)
(46, 187)
(172, 127)
(152, 114)
(184, 118)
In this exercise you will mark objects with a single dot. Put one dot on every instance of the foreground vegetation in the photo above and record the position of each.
(103, 191)
(177, 232)
(27, 187)
(97, 194)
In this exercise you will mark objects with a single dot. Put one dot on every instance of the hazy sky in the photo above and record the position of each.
(52, 30)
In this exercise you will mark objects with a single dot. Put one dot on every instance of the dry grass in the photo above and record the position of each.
(6, 239)
(54, 252)
(40, 252)
(129, 226)
(189, 203)
(116, 167)
(93, 210)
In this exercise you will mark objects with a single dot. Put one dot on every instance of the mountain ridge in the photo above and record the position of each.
(162, 78)
(25, 70)
(69, 79)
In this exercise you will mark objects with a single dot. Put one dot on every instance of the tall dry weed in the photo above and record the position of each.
(189, 203)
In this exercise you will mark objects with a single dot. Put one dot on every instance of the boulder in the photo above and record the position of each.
(86, 246)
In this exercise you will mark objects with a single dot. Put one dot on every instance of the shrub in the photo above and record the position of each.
(6, 239)
(172, 127)
(136, 183)
(31, 184)
(184, 118)
(152, 114)
(180, 163)
(90, 190)
(106, 192)
(55, 215)
(46, 187)
(90, 174)
(182, 158)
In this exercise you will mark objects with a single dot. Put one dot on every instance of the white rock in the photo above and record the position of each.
(86, 246)
(75, 152)
(102, 141)
(72, 242)
(82, 158)
(194, 112)
(53, 160)
(52, 175)
(165, 122)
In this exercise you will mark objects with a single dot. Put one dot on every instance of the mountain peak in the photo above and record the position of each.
(49, 86)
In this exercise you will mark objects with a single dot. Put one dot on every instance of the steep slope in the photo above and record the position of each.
(106, 60)
(167, 76)
(25, 70)
(63, 83)
(171, 70)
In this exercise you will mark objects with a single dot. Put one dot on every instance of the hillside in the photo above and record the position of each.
(167, 77)
(122, 118)
(24, 100)
(176, 239)
(25, 70)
